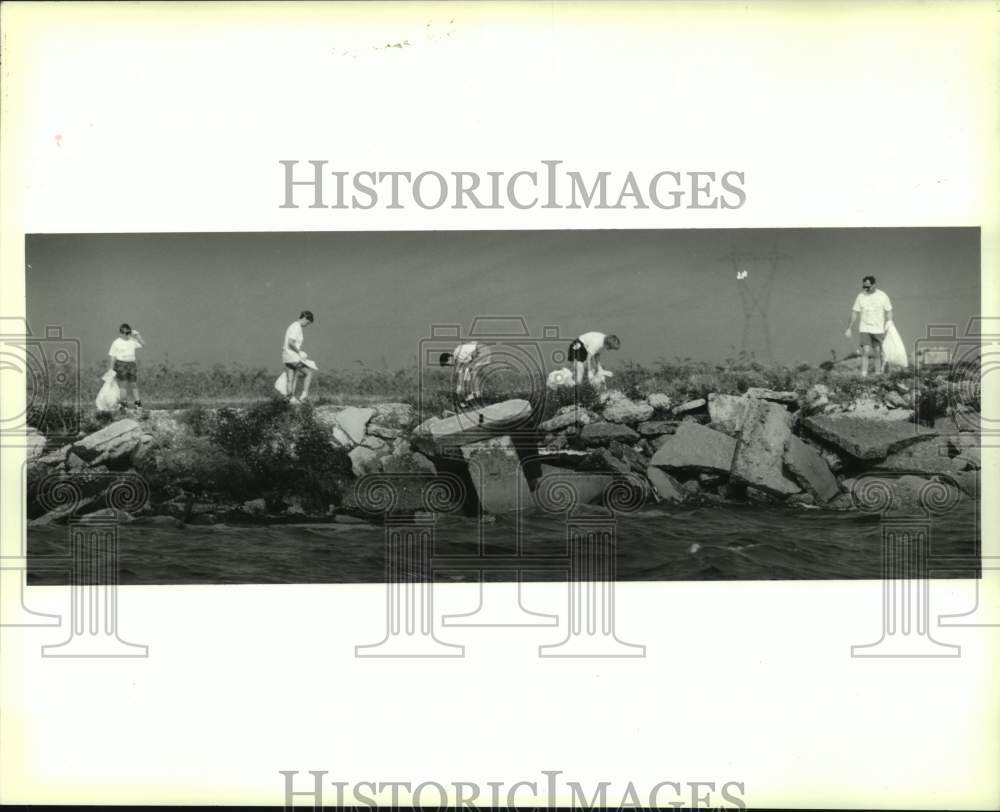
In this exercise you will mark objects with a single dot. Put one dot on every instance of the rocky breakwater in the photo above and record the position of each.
(273, 463)
(798, 449)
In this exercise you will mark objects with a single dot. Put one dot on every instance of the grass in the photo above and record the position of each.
(163, 386)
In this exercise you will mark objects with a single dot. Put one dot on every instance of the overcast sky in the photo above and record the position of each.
(229, 297)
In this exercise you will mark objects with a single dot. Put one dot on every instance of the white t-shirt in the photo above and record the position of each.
(467, 353)
(294, 335)
(123, 349)
(593, 342)
(872, 307)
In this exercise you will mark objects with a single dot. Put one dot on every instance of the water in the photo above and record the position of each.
(659, 544)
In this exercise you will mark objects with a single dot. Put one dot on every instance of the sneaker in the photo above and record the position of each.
(138, 404)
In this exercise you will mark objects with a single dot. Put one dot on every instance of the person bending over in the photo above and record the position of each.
(294, 357)
(585, 354)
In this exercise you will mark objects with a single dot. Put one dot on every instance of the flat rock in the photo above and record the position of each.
(695, 447)
(810, 470)
(476, 424)
(496, 474)
(772, 394)
(376, 444)
(612, 462)
(595, 434)
(690, 406)
(727, 411)
(624, 410)
(928, 456)
(586, 486)
(353, 420)
(568, 416)
(666, 487)
(760, 451)
(114, 441)
(862, 438)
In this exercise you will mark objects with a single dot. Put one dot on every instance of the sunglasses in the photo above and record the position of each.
(866, 287)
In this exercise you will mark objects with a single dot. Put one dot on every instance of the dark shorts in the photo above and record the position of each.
(125, 371)
(871, 339)
(577, 352)
(296, 366)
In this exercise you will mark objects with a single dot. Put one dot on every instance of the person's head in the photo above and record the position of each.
(868, 284)
(305, 318)
(445, 359)
(612, 342)
(125, 330)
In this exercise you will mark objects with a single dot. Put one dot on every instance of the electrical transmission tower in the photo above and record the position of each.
(756, 297)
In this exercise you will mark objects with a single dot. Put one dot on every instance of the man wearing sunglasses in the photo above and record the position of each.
(875, 312)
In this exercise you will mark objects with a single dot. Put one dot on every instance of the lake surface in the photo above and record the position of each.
(736, 542)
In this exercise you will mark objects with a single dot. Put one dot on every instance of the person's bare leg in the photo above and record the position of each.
(864, 360)
(290, 385)
(880, 360)
(307, 375)
(135, 392)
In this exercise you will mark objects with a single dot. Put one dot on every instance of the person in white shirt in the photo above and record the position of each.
(585, 353)
(294, 358)
(469, 359)
(121, 361)
(875, 311)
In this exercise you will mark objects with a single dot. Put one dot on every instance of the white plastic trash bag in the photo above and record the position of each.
(110, 394)
(282, 384)
(559, 378)
(599, 378)
(893, 348)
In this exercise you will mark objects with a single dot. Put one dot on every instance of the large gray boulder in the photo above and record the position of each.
(624, 410)
(927, 456)
(595, 434)
(353, 420)
(114, 441)
(809, 469)
(696, 448)
(407, 462)
(727, 411)
(496, 474)
(862, 438)
(760, 450)
(567, 416)
(666, 487)
(438, 433)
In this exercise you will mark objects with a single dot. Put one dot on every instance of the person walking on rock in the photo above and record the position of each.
(585, 355)
(297, 364)
(875, 311)
(470, 360)
(121, 361)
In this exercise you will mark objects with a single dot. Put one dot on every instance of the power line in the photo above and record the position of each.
(756, 303)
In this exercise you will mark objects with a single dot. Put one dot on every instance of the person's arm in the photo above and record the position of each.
(111, 362)
(855, 312)
(294, 344)
(888, 309)
(138, 338)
